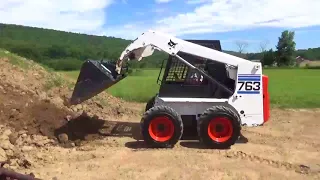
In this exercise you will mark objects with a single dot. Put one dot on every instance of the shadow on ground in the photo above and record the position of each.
(188, 142)
(85, 128)
(198, 145)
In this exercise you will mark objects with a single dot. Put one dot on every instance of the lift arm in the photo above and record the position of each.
(145, 44)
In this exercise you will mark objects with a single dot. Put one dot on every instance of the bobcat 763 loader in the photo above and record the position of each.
(203, 88)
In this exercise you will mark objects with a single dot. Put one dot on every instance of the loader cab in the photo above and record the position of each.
(181, 81)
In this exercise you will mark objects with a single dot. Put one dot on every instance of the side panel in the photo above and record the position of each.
(188, 106)
(248, 96)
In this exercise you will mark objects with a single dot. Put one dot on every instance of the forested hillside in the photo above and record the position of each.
(310, 54)
(66, 51)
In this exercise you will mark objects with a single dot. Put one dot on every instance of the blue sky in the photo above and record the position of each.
(231, 21)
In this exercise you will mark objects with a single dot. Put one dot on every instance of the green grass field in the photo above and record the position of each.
(289, 88)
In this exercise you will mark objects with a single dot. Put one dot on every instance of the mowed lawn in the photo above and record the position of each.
(139, 86)
(289, 88)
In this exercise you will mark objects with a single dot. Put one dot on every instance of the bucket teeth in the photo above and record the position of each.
(94, 77)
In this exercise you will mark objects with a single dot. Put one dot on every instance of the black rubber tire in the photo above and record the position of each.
(208, 115)
(156, 112)
(150, 103)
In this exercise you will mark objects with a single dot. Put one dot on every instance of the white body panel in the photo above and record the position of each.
(247, 76)
(248, 101)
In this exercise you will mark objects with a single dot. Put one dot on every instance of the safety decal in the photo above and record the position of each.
(249, 84)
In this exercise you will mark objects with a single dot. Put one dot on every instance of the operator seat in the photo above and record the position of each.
(218, 71)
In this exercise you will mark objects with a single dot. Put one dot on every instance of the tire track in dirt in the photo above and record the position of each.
(138, 146)
(236, 154)
(298, 168)
(272, 140)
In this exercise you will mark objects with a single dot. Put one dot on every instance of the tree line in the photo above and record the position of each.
(284, 54)
(66, 51)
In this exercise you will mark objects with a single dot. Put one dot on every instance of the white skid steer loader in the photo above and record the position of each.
(203, 88)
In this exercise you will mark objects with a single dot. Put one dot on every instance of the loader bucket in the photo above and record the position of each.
(94, 77)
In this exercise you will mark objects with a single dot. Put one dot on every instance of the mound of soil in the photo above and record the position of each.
(22, 111)
(34, 100)
(34, 113)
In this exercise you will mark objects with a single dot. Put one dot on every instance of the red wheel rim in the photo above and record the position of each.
(161, 129)
(220, 129)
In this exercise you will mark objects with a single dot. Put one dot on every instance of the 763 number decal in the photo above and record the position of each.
(249, 84)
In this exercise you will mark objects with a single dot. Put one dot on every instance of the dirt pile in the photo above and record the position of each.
(22, 111)
(32, 82)
(34, 112)
(55, 88)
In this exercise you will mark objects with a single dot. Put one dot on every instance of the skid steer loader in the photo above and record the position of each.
(202, 87)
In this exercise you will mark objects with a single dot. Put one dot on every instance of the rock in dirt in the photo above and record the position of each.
(7, 132)
(3, 155)
(13, 138)
(6, 145)
(58, 101)
(40, 141)
(27, 148)
(13, 163)
(120, 110)
(84, 107)
(74, 109)
(20, 141)
(68, 118)
(24, 162)
(22, 132)
(42, 95)
(79, 106)
(3, 137)
(9, 152)
(63, 138)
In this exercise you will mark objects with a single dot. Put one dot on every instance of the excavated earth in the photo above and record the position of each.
(99, 139)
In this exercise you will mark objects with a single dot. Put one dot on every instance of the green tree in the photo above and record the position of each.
(286, 48)
(268, 58)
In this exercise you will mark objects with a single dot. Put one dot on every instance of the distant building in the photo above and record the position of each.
(300, 61)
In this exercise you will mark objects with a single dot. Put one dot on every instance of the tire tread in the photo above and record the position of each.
(158, 110)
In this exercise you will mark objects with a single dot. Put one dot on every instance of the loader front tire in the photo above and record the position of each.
(219, 127)
(161, 127)
(150, 103)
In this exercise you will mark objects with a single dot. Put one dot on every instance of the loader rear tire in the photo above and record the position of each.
(161, 127)
(219, 127)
